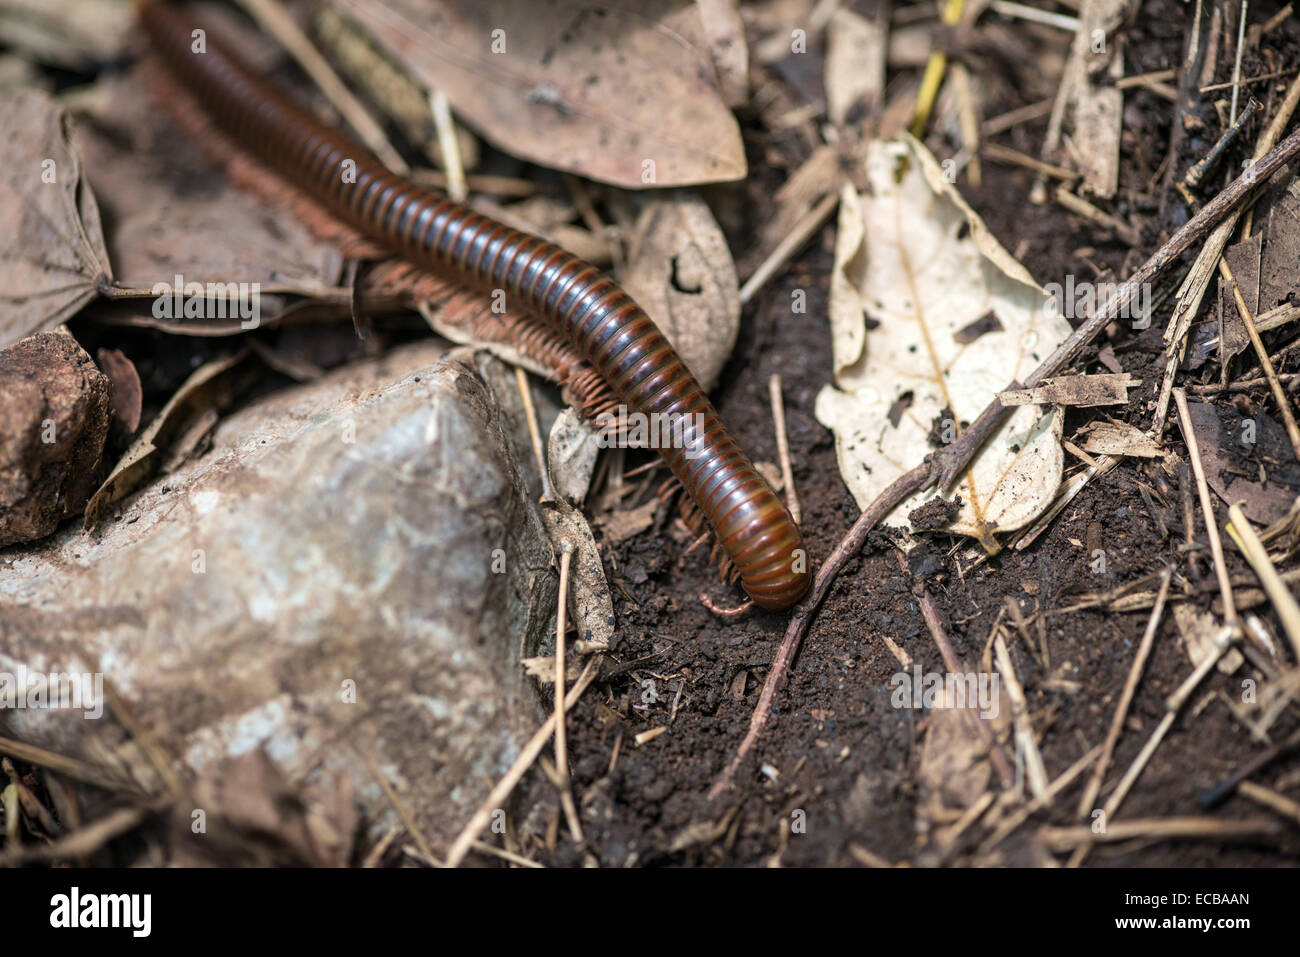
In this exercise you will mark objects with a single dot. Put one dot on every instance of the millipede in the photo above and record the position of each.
(575, 299)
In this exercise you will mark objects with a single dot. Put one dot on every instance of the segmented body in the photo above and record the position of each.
(424, 227)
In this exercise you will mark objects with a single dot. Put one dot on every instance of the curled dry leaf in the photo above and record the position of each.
(128, 396)
(619, 524)
(589, 602)
(52, 252)
(681, 273)
(623, 95)
(913, 257)
(184, 420)
(1202, 633)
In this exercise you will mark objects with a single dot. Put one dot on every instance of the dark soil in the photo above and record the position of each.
(836, 750)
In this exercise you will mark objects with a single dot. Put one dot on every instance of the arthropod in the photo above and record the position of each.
(450, 240)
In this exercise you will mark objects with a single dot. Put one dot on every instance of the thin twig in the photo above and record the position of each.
(1236, 68)
(1126, 696)
(1270, 799)
(465, 841)
(448, 146)
(561, 740)
(1207, 508)
(275, 20)
(534, 433)
(790, 245)
(783, 448)
(1284, 406)
(1033, 758)
(1284, 602)
(1064, 838)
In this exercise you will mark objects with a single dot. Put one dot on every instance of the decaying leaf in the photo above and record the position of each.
(54, 417)
(128, 396)
(1201, 634)
(255, 814)
(571, 452)
(172, 212)
(855, 66)
(52, 252)
(954, 769)
(681, 273)
(1244, 260)
(1075, 390)
(1279, 269)
(626, 96)
(1265, 496)
(184, 420)
(70, 33)
(1119, 438)
(622, 523)
(725, 33)
(589, 601)
(913, 257)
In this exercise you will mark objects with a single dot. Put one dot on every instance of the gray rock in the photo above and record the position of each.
(348, 580)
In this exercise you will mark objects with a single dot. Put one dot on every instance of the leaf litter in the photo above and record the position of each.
(914, 269)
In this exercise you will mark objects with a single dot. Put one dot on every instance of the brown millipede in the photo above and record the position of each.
(447, 238)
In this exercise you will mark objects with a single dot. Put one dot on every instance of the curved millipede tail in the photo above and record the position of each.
(615, 335)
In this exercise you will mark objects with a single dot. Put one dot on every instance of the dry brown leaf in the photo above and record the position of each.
(590, 604)
(172, 212)
(128, 396)
(188, 416)
(1264, 498)
(1244, 260)
(725, 32)
(954, 768)
(571, 451)
(626, 522)
(52, 252)
(681, 273)
(254, 813)
(623, 95)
